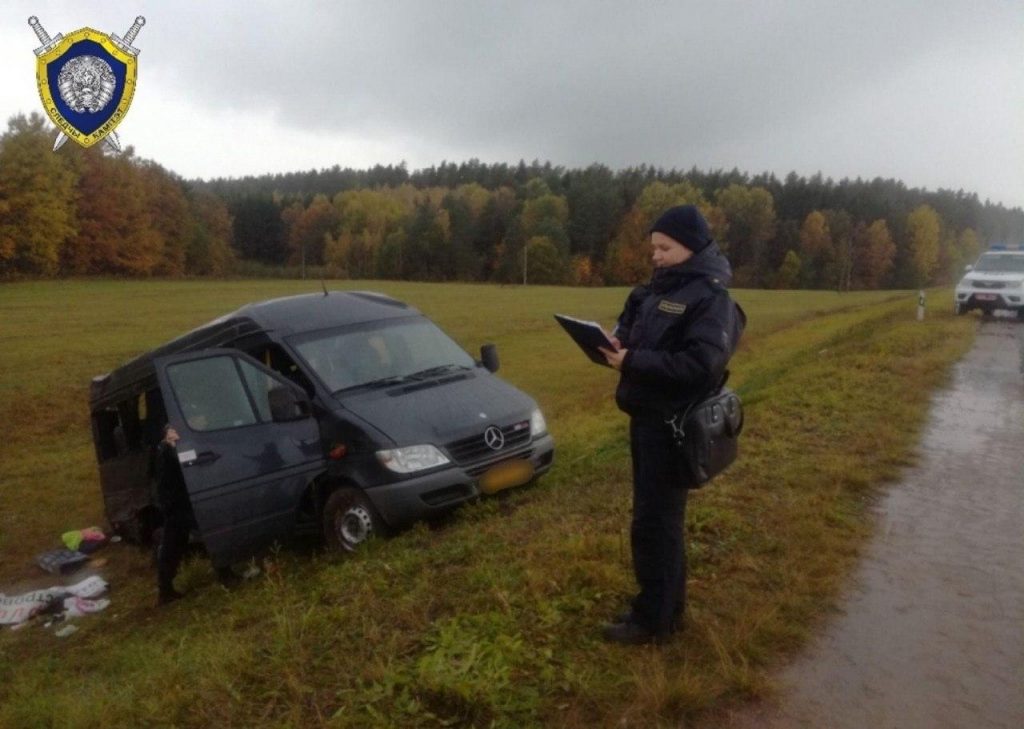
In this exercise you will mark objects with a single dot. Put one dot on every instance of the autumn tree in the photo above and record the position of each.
(923, 230)
(840, 226)
(309, 230)
(816, 250)
(956, 250)
(545, 262)
(788, 274)
(209, 251)
(367, 217)
(115, 223)
(168, 215)
(37, 199)
(750, 214)
(874, 254)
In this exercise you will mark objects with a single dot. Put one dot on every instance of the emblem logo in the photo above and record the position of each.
(671, 307)
(86, 82)
(494, 438)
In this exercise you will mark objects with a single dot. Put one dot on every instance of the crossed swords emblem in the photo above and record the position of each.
(125, 44)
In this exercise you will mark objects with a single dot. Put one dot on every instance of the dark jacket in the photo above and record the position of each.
(680, 330)
(171, 493)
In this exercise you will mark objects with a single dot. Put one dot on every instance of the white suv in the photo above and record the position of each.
(995, 281)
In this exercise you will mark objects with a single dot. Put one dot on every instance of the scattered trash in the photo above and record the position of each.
(76, 607)
(86, 540)
(61, 561)
(66, 631)
(250, 572)
(19, 608)
(97, 562)
(115, 539)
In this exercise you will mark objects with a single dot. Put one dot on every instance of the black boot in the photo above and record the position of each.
(632, 633)
(168, 595)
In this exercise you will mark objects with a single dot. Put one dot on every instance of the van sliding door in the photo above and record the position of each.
(245, 473)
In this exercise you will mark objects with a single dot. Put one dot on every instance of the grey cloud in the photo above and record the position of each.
(669, 83)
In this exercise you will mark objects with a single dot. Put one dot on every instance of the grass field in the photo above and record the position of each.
(494, 618)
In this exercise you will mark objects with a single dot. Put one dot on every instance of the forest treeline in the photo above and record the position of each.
(90, 212)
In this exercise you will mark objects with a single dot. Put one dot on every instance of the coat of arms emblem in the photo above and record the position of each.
(86, 81)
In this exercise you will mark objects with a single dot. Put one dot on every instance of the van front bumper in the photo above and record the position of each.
(403, 502)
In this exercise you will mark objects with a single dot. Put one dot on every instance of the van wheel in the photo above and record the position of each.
(349, 520)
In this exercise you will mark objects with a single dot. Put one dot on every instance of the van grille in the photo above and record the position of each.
(470, 450)
(989, 284)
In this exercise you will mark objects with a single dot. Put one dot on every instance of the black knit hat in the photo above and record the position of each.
(686, 225)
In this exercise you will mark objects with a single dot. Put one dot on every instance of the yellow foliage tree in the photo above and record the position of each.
(923, 231)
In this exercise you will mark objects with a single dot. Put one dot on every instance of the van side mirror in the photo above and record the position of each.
(287, 405)
(489, 357)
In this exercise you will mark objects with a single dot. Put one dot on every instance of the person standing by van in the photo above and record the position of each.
(674, 338)
(173, 500)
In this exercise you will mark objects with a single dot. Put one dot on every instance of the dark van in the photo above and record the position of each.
(348, 412)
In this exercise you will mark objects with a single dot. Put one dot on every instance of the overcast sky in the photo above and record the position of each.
(929, 92)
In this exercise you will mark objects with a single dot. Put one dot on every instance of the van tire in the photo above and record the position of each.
(349, 520)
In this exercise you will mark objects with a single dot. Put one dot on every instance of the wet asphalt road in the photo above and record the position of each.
(931, 633)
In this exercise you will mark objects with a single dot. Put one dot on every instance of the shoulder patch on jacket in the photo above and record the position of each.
(671, 307)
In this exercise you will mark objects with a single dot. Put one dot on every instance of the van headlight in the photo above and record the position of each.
(411, 458)
(538, 426)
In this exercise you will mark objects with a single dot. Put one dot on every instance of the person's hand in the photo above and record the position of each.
(614, 358)
(615, 340)
(171, 437)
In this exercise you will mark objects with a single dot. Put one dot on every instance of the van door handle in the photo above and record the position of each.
(205, 457)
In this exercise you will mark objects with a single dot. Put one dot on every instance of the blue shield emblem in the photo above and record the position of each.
(86, 81)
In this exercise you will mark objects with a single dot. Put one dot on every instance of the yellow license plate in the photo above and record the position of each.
(506, 475)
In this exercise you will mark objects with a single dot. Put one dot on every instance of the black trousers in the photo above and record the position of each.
(659, 508)
(173, 544)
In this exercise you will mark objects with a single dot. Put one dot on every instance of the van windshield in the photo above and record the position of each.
(380, 353)
(1000, 263)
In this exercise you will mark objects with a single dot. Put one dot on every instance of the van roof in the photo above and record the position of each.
(283, 316)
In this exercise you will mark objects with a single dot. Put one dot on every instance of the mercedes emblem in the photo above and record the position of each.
(494, 439)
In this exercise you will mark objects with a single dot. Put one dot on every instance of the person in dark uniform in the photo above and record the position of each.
(173, 500)
(674, 339)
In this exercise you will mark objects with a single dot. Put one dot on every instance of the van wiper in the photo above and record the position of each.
(431, 371)
(382, 382)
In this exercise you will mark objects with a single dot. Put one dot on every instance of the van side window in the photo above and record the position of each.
(153, 416)
(106, 423)
(259, 383)
(210, 394)
(129, 430)
(275, 358)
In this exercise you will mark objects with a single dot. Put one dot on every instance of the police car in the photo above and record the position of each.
(995, 281)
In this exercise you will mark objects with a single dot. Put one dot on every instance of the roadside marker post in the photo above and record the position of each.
(920, 305)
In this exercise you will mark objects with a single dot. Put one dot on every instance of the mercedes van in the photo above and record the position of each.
(346, 412)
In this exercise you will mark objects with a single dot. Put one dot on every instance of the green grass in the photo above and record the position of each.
(494, 618)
